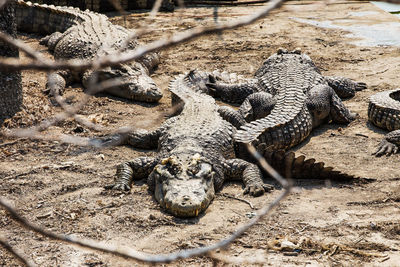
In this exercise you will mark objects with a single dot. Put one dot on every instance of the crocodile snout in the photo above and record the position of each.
(145, 90)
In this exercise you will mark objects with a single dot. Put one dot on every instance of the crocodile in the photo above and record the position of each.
(76, 34)
(285, 100)
(196, 154)
(384, 112)
(107, 5)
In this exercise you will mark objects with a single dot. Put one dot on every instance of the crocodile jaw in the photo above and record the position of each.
(185, 198)
(131, 82)
(184, 192)
(144, 89)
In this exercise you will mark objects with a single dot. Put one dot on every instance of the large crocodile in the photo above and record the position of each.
(286, 99)
(76, 34)
(195, 154)
(107, 5)
(384, 112)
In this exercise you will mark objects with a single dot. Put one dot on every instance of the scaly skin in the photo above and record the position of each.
(195, 153)
(286, 99)
(76, 34)
(105, 5)
(384, 112)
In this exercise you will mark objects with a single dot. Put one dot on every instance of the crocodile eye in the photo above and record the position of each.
(281, 51)
(173, 170)
(163, 173)
(297, 51)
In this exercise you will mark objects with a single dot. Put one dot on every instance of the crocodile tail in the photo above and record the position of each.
(290, 166)
(287, 125)
(107, 5)
(384, 109)
(175, 88)
(46, 19)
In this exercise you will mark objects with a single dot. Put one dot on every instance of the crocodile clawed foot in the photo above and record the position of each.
(360, 86)
(268, 188)
(118, 186)
(256, 190)
(212, 79)
(385, 147)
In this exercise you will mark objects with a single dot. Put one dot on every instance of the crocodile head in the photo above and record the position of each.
(183, 188)
(131, 82)
(295, 55)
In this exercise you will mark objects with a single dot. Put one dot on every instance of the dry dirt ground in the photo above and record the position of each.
(60, 186)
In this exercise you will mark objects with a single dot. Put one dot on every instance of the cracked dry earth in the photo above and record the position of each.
(60, 186)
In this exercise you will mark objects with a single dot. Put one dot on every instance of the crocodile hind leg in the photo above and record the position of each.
(136, 169)
(232, 93)
(389, 145)
(256, 106)
(232, 116)
(323, 103)
(51, 40)
(344, 87)
(250, 174)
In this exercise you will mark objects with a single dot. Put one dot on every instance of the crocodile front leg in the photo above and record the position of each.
(249, 173)
(136, 169)
(389, 145)
(232, 93)
(323, 103)
(57, 82)
(344, 87)
(139, 139)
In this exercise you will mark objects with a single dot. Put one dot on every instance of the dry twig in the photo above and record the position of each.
(239, 199)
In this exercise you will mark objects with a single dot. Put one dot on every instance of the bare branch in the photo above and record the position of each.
(7, 246)
(155, 9)
(112, 60)
(145, 257)
(140, 256)
(265, 165)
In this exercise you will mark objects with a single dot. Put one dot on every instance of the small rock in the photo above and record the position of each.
(372, 225)
(287, 245)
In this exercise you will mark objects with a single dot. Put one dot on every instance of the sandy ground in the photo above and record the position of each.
(60, 186)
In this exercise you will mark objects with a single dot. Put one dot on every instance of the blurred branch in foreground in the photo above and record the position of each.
(160, 258)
